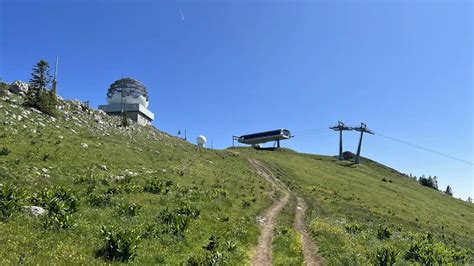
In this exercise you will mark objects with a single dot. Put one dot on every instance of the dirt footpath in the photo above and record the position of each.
(310, 254)
(263, 254)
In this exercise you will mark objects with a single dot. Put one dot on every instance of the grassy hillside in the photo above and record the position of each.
(137, 194)
(359, 210)
(184, 205)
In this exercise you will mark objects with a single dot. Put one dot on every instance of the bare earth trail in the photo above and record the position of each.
(309, 250)
(263, 254)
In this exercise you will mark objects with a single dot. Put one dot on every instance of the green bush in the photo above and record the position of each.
(383, 232)
(386, 256)
(58, 221)
(4, 86)
(119, 245)
(157, 186)
(173, 223)
(56, 200)
(61, 203)
(100, 199)
(126, 209)
(11, 199)
(190, 211)
(4, 151)
(424, 249)
(354, 228)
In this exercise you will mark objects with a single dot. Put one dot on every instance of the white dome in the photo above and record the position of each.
(201, 140)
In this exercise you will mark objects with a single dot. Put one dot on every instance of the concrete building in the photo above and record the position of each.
(128, 96)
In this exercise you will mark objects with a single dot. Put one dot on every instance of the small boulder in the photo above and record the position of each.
(84, 145)
(35, 210)
(103, 167)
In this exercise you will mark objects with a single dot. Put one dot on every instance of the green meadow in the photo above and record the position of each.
(360, 213)
(136, 194)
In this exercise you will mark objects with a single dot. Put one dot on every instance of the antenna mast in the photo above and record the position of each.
(55, 79)
(340, 127)
(362, 129)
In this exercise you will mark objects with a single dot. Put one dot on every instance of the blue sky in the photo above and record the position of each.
(405, 68)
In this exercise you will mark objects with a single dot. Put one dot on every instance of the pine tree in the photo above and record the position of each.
(449, 191)
(469, 199)
(40, 78)
(38, 95)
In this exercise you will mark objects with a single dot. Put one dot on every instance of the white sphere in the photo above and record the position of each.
(201, 140)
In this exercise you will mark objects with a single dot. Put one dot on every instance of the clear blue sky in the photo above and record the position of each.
(232, 67)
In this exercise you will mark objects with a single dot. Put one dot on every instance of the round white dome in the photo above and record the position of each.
(201, 140)
(127, 91)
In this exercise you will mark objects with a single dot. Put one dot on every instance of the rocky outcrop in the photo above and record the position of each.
(19, 87)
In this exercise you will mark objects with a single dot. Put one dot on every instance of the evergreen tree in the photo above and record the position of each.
(449, 191)
(469, 199)
(39, 96)
(40, 79)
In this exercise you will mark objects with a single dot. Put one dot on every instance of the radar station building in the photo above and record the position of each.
(128, 97)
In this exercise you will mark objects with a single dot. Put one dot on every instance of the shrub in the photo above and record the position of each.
(11, 199)
(119, 245)
(383, 233)
(424, 249)
(60, 203)
(98, 199)
(92, 180)
(157, 186)
(173, 223)
(246, 203)
(57, 199)
(58, 221)
(4, 86)
(386, 256)
(128, 209)
(4, 151)
(354, 228)
(190, 211)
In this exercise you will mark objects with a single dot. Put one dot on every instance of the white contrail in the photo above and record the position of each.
(181, 11)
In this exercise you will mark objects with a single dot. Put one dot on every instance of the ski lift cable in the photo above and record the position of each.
(425, 149)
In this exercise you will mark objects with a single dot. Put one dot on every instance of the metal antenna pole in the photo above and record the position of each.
(55, 79)
(340, 127)
(121, 97)
(362, 129)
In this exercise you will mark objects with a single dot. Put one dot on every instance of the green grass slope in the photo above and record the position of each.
(177, 204)
(150, 198)
(356, 217)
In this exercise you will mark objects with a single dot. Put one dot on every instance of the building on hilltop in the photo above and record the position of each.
(128, 96)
